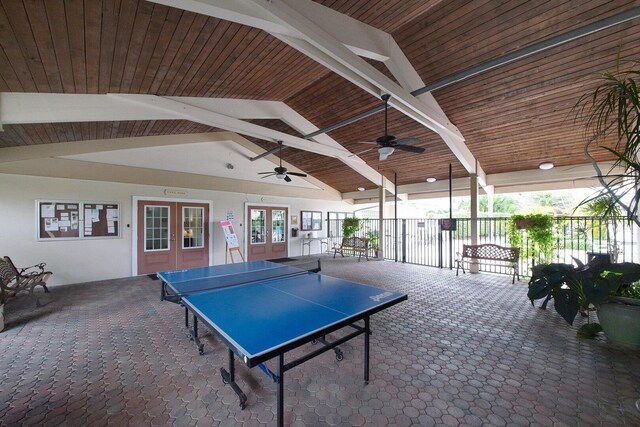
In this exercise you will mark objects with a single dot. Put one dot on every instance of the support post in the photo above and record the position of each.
(473, 195)
(381, 201)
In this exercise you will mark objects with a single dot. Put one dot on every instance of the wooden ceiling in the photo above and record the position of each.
(512, 118)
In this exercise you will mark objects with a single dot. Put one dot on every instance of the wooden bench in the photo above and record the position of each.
(355, 244)
(14, 280)
(490, 252)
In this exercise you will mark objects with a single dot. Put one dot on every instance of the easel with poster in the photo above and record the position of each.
(232, 244)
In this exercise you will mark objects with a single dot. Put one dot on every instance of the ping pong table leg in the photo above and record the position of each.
(186, 317)
(280, 394)
(162, 290)
(194, 335)
(230, 378)
(367, 332)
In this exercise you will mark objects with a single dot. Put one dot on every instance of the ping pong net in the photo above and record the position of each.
(194, 286)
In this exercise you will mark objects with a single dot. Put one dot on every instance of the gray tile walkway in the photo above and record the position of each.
(461, 351)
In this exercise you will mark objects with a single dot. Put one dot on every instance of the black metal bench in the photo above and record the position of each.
(489, 251)
(355, 244)
(14, 280)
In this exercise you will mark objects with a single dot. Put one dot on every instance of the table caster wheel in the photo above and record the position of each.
(339, 356)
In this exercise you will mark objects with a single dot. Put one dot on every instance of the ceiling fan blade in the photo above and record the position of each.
(296, 174)
(267, 176)
(263, 173)
(406, 141)
(287, 179)
(383, 156)
(410, 148)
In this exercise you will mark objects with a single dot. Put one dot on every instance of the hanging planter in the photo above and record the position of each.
(523, 224)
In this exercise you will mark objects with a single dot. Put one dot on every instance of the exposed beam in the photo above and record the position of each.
(533, 49)
(18, 108)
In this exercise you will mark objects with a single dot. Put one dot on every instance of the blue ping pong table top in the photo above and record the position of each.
(185, 282)
(259, 318)
(176, 276)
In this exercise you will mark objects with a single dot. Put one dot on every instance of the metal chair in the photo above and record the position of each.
(14, 280)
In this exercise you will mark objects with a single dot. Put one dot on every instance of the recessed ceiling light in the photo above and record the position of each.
(431, 179)
(360, 188)
(546, 165)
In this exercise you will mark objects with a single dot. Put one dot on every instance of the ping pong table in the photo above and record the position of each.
(262, 310)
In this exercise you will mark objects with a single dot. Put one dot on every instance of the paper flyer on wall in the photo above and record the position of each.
(47, 211)
(51, 224)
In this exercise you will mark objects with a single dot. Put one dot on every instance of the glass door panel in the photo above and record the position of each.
(258, 226)
(156, 229)
(278, 226)
(192, 227)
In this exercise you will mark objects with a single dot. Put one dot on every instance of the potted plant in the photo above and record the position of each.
(350, 226)
(599, 283)
(539, 231)
(612, 114)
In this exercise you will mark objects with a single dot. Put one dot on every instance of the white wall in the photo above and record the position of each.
(74, 261)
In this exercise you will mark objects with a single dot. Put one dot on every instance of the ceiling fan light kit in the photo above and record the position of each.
(389, 143)
(281, 172)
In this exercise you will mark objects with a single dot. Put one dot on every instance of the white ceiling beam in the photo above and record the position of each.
(329, 45)
(362, 39)
(19, 108)
(207, 117)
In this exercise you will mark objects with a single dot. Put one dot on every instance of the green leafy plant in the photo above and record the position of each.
(612, 110)
(575, 288)
(372, 235)
(539, 231)
(350, 226)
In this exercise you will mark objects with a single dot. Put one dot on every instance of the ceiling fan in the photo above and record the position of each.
(281, 172)
(389, 143)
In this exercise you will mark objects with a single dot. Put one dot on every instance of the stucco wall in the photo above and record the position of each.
(74, 261)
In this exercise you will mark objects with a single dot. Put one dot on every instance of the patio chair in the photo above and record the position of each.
(14, 280)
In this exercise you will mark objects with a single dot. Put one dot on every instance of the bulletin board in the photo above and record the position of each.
(66, 220)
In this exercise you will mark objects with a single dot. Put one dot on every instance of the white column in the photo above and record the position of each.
(473, 195)
(381, 203)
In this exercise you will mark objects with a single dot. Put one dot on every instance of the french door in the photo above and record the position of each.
(267, 232)
(172, 235)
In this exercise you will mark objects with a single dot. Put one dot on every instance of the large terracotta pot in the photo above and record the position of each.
(620, 321)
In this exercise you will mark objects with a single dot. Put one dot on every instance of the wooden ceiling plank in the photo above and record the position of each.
(151, 40)
(19, 46)
(243, 68)
(169, 24)
(231, 41)
(126, 19)
(56, 43)
(180, 33)
(209, 58)
(197, 53)
(9, 81)
(109, 24)
(74, 17)
(178, 61)
(92, 30)
(135, 52)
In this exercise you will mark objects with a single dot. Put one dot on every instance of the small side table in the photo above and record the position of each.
(306, 241)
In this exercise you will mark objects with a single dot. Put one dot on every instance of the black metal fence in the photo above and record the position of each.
(421, 241)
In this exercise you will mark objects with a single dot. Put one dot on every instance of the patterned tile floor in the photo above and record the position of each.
(461, 351)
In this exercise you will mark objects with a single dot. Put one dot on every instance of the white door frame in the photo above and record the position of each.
(134, 222)
(247, 220)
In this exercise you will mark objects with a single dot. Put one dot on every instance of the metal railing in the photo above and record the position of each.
(420, 241)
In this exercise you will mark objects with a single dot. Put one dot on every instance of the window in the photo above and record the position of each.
(311, 220)
(258, 225)
(278, 233)
(192, 227)
(156, 228)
